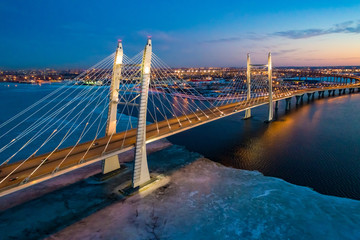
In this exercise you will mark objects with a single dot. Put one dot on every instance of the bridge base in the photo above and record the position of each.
(247, 114)
(299, 99)
(110, 164)
(287, 104)
(311, 96)
(127, 189)
(103, 177)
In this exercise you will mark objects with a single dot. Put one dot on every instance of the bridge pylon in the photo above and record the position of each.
(271, 104)
(112, 163)
(248, 83)
(141, 171)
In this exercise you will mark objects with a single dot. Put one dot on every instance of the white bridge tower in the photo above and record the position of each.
(141, 171)
(271, 104)
(248, 84)
(112, 163)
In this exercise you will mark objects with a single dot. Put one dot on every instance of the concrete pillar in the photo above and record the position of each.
(287, 104)
(276, 105)
(112, 163)
(248, 83)
(309, 96)
(271, 105)
(141, 171)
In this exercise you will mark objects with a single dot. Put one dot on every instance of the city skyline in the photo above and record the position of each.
(206, 34)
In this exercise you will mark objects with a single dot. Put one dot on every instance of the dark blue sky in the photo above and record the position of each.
(78, 33)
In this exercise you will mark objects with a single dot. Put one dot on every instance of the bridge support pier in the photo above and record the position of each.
(247, 113)
(288, 104)
(248, 83)
(308, 96)
(276, 105)
(112, 163)
(311, 96)
(299, 99)
(141, 173)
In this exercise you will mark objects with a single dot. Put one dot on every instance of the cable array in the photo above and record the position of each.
(67, 126)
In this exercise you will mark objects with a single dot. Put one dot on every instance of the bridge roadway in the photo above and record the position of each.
(124, 141)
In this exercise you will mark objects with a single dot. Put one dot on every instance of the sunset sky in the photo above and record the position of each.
(79, 33)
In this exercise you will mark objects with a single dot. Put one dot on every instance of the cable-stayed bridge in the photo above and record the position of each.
(123, 103)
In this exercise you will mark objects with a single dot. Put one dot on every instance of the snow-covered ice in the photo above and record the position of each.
(205, 200)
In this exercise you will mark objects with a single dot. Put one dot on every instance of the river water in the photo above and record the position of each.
(314, 145)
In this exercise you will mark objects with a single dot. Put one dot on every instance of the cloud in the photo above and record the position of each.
(285, 51)
(345, 27)
(158, 35)
(221, 40)
(247, 36)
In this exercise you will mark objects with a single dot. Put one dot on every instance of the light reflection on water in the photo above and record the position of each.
(314, 145)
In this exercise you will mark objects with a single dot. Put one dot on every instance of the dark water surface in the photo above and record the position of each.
(314, 145)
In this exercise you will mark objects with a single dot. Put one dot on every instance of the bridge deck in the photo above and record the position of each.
(125, 141)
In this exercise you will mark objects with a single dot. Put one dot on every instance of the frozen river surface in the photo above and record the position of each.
(205, 200)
